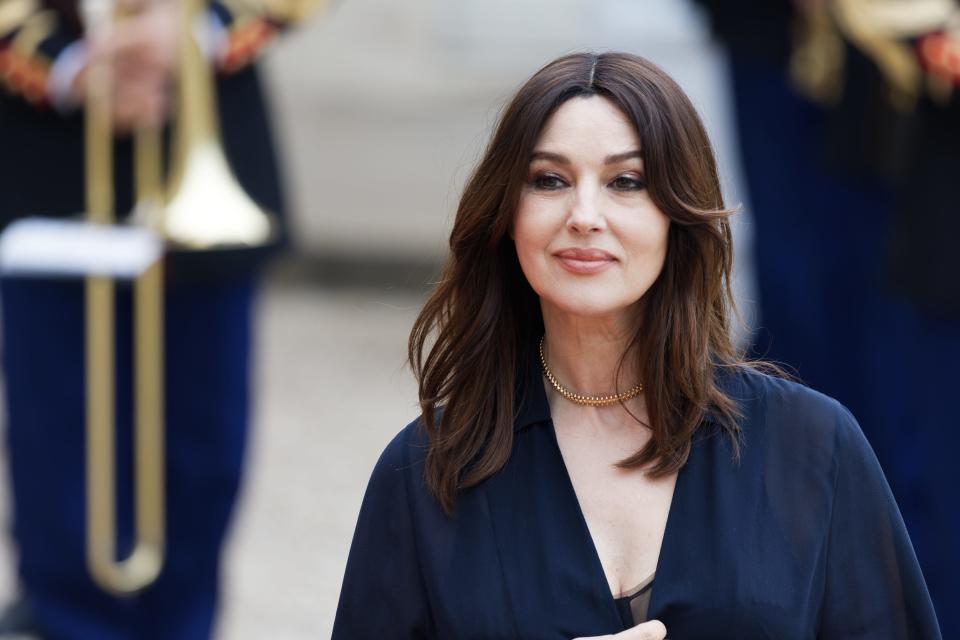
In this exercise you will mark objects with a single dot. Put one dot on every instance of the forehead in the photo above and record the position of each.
(588, 125)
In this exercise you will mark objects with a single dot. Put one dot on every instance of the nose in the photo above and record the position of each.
(586, 212)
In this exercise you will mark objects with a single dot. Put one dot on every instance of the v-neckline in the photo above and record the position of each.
(599, 575)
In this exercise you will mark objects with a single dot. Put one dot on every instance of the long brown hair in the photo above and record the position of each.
(471, 337)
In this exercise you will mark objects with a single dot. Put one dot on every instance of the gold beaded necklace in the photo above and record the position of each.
(576, 398)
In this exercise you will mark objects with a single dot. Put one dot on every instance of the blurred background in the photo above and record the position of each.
(380, 110)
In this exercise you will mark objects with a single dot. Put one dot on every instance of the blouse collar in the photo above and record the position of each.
(531, 399)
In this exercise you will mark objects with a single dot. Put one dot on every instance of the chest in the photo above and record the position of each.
(625, 510)
(521, 560)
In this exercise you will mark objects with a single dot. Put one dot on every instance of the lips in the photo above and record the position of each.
(584, 261)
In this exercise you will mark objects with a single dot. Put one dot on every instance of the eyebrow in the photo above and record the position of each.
(562, 159)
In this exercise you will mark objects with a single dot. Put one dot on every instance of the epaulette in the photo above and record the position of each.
(246, 38)
(252, 24)
(939, 55)
(24, 65)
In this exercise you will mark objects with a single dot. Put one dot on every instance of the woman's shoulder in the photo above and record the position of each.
(397, 481)
(405, 452)
(753, 383)
(787, 412)
(797, 442)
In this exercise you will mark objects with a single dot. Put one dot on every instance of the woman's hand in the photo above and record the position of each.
(652, 630)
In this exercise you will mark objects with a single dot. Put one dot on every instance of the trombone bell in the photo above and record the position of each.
(210, 209)
(206, 209)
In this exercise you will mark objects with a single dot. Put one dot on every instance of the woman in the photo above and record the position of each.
(593, 456)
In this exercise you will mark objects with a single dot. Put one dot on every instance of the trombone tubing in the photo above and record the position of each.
(142, 566)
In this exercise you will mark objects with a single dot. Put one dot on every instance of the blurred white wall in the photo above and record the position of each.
(383, 107)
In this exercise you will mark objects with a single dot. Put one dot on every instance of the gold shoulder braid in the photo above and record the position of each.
(576, 398)
(884, 31)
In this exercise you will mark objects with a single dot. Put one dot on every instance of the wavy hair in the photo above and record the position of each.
(469, 342)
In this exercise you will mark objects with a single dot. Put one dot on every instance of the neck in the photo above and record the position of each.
(584, 352)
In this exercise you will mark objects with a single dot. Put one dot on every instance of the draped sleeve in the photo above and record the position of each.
(383, 594)
(874, 587)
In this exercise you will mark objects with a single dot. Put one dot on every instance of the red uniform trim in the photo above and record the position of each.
(24, 75)
(245, 41)
(940, 56)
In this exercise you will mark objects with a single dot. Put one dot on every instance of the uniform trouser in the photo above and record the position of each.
(208, 330)
(824, 309)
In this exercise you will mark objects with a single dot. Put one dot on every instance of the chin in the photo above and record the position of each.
(590, 304)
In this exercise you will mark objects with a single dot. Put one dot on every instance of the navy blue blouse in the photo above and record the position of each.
(800, 539)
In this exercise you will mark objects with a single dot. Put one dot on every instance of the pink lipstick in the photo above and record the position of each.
(584, 261)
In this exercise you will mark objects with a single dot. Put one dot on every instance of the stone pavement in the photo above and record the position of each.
(333, 391)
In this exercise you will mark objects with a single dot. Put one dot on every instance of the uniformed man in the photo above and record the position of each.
(849, 128)
(44, 55)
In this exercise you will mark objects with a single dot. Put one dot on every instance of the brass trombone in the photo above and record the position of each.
(206, 210)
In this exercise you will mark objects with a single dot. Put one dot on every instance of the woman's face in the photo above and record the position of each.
(589, 239)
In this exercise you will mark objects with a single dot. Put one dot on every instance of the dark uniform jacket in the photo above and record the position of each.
(916, 154)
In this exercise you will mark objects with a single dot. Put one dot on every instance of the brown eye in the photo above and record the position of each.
(548, 182)
(628, 183)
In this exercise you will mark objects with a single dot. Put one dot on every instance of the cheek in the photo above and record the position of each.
(648, 247)
(661, 237)
(532, 234)
(651, 232)
(532, 247)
